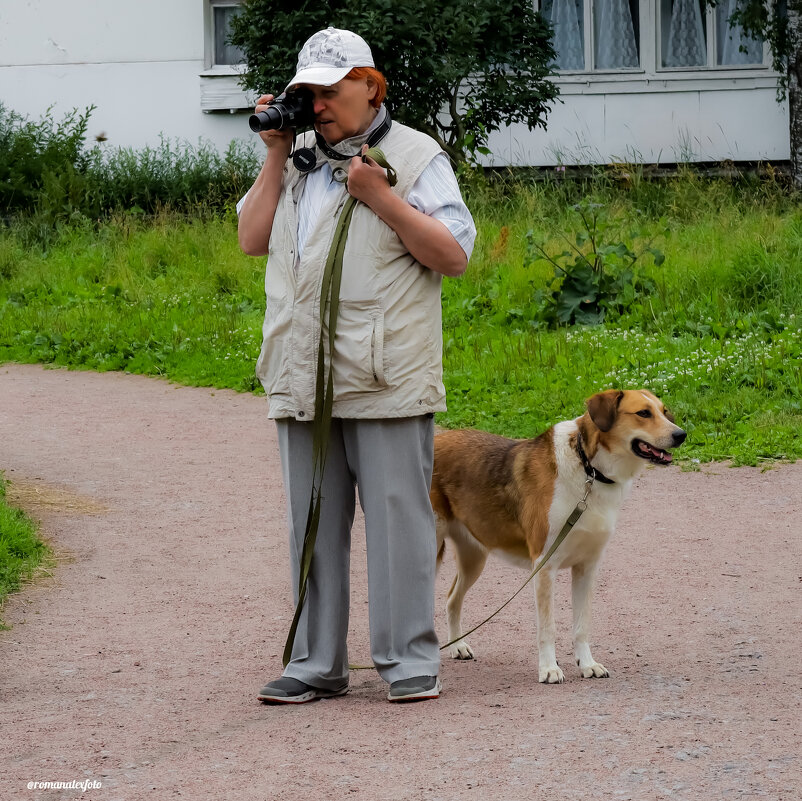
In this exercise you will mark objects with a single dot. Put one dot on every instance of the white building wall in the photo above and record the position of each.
(145, 67)
(107, 31)
(691, 125)
(140, 63)
(136, 101)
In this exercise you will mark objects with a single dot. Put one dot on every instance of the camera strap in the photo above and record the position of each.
(305, 159)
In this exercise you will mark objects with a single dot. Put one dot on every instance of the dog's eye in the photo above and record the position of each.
(669, 416)
(644, 413)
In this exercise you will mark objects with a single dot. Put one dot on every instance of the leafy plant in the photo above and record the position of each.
(37, 157)
(456, 69)
(48, 171)
(595, 278)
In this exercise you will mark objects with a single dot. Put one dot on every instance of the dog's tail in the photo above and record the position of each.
(440, 551)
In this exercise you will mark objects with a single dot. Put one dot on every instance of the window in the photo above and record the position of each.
(223, 53)
(615, 33)
(223, 63)
(567, 18)
(732, 45)
(683, 34)
(694, 37)
(607, 35)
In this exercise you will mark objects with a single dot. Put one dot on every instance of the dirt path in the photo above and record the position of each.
(136, 664)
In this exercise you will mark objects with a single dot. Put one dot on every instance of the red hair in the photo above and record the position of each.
(358, 73)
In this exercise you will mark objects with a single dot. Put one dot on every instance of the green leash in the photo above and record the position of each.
(324, 388)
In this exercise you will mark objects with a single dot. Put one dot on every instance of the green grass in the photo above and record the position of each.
(20, 549)
(169, 296)
(720, 339)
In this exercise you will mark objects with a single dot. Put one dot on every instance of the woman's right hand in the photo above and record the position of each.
(282, 140)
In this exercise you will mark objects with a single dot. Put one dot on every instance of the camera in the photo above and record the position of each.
(293, 109)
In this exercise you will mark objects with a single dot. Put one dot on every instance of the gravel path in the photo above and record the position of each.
(136, 663)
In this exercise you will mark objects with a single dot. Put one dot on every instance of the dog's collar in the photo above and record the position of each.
(590, 470)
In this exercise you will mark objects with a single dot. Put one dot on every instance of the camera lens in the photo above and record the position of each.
(270, 119)
(293, 109)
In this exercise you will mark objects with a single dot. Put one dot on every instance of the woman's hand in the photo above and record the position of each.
(280, 140)
(367, 181)
(259, 209)
(427, 239)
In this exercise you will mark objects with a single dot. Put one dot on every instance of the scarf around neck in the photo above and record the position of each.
(347, 148)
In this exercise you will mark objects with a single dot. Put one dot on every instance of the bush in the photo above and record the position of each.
(597, 278)
(47, 171)
(35, 155)
(456, 70)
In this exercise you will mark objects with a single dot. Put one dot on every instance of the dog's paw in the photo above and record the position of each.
(461, 650)
(551, 675)
(595, 670)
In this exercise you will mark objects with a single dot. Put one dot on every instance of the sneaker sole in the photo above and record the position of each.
(423, 695)
(303, 698)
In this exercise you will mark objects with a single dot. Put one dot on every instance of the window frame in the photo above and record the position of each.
(651, 75)
(220, 89)
(209, 62)
(589, 41)
(711, 44)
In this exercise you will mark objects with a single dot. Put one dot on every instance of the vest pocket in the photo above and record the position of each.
(359, 349)
(271, 366)
(377, 350)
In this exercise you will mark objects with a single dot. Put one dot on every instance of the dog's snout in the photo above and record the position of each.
(679, 437)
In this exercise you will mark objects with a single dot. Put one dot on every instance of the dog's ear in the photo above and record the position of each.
(603, 408)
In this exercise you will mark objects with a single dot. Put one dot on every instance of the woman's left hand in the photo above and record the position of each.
(367, 181)
(427, 239)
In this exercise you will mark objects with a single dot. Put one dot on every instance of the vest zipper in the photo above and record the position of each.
(373, 350)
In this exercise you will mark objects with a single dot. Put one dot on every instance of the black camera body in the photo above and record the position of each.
(293, 109)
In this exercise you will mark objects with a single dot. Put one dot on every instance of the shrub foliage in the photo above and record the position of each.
(456, 69)
(48, 170)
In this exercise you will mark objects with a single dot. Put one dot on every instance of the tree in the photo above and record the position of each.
(456, 69)
(779, 22)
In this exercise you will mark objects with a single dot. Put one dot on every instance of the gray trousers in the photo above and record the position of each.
(391, 463)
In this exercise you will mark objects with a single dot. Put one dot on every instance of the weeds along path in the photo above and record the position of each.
(136, 663)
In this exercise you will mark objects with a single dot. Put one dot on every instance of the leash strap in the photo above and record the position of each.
(324, 388)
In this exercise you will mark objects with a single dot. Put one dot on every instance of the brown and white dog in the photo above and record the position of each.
(490, 493)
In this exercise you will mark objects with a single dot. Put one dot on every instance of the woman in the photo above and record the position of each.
(386, 364)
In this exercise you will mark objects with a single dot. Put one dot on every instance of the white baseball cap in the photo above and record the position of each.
(329, 55)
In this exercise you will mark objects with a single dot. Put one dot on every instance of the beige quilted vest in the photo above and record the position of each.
(388, 343)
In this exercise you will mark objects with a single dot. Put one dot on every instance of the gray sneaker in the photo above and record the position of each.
(292, 691)
(419, 688)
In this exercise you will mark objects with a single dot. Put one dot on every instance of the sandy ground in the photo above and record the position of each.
(135, 663)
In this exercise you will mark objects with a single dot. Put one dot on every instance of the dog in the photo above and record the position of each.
(490, 493)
